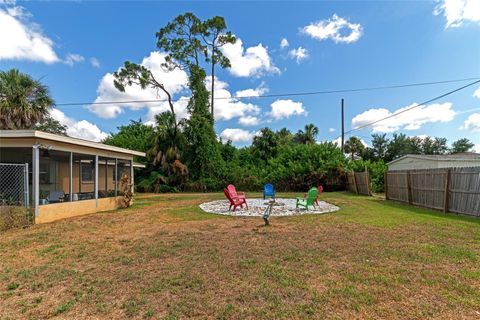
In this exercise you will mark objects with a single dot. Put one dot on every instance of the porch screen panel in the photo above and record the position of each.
(123, 170)
(54, 176)
(83, 177)
(106, 177)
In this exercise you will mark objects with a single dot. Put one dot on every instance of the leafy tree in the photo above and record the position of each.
(354, 147)
(132, 73)
(265, 144)
(228, 151)
(203, 151)
(51, 125)
(379, 145)
(414, 145)
(187, 38)
(434, 146)
(398, 146)
(440, 145)
(461, 145)
(135, 136)
(284, 137)
(24, 102)
(182, 42)
(428, 146)
(368, 154)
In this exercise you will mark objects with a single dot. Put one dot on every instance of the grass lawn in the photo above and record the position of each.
(164, 258)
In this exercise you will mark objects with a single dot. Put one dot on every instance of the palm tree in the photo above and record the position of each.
(354, 147)
(311, 132)
(23, 101)
(167, 143)
(308, 136)
(265, 144)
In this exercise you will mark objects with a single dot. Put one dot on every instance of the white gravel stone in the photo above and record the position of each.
(256, 208)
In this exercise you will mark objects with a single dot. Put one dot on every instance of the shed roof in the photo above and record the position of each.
(464, 156)
(70, 140)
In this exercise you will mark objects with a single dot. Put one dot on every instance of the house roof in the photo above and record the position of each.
(59, 138)
(464, 156)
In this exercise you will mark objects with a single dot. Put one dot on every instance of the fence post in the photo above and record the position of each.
(385, 184)
(446, 201)
(27, 195)
(355, 182)
(409, 188)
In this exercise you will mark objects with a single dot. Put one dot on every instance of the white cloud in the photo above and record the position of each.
(237, 135)
(79, 129)
(22, 39)
(174, 81)
(72, 58)
(94, 62)
(249, 121)
(331, 130)
(258, 91)
(284, 43)
(477, 93)
(250, 62)
(476, 148)
(332, 29)
(227, 107)
(472, 123)
(457, 12)
(410, 120)
(286, 108)
(299, 54)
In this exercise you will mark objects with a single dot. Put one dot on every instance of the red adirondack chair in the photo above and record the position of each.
(235, 202)
(320, 189)
(233, 192)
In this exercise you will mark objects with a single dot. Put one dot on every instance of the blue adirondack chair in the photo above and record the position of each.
(309, 200)
(268, 191)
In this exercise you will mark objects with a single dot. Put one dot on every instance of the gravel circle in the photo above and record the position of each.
(256, 208)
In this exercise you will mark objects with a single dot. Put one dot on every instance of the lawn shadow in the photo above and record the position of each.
(425, 211)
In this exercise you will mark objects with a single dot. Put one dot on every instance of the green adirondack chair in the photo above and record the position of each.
(309, 200)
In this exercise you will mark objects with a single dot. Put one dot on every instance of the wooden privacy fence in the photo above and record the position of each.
(449, 190)
(359, 182)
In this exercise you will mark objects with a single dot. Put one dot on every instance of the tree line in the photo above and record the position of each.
(387, 149)
(292, 161)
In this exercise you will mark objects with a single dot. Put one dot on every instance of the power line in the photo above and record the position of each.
(291, 94)
(411, 108)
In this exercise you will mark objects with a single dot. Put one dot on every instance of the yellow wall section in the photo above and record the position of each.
(57, 211)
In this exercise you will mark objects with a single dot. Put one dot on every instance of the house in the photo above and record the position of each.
(59, 176)
(421, 161)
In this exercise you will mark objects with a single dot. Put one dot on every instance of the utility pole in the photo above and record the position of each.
(343, 127)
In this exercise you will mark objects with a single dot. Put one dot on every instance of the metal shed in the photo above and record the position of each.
(420, 161)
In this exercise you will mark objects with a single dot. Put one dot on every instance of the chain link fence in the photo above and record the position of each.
(14, 196)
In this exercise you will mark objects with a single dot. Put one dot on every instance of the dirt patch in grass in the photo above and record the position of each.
(166, 259)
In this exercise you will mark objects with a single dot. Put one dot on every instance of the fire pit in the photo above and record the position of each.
(257, 206)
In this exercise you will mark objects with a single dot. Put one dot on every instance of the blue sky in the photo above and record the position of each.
(75, 46)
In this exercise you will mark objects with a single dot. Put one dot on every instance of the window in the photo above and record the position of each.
(87, 172)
